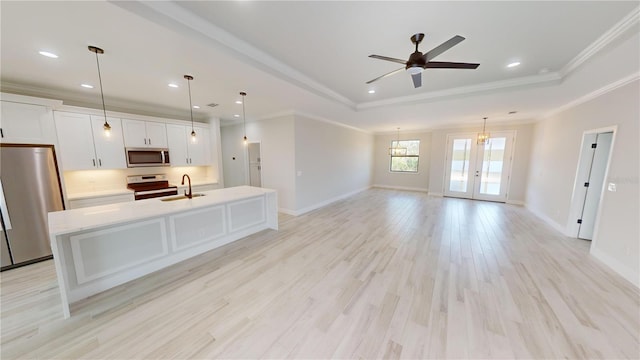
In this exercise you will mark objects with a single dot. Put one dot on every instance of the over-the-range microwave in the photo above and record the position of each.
(141, 157)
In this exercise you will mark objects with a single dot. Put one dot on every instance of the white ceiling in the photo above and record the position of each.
(311, 57)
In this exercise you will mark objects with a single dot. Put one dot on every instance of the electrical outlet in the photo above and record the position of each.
(611, 187)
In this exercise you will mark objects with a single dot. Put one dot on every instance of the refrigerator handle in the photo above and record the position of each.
(4, 212)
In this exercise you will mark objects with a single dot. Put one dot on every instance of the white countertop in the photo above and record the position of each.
(68, 221)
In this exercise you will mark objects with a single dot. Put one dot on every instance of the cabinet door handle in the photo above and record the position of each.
(1, 133)
(94, 162)
(149, 141)
(145, 141)
(100, 162)
(187, 159)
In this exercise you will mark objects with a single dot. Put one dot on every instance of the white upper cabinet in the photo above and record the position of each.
(84, 145)
(25, 123)
(184, 149)
(141, 134)
(109, 148)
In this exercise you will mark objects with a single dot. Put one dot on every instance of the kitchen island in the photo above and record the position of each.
(97, 248)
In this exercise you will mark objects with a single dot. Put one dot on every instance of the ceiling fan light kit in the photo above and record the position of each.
(418, 61)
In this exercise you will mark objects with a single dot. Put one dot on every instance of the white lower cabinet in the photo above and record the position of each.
(186, 150)
(85, 146)
(25, 123)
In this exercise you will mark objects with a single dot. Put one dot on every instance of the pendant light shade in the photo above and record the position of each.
(106, 126)
(193, 131)
(244, 118)
(483, 137)
(397, 150)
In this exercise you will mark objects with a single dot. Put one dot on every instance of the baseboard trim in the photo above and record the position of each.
(627, 273)
(326, 202)
(287, 211)
(438, 194)
(405, 188)
(561, 229)
(516, 202)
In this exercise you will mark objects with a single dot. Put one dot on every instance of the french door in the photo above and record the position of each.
(479, 171)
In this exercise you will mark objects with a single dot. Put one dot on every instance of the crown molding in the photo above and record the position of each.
(605, 39)
(332, 122)
(545, 79)
(238, 47)
(594, 94)
(72, 98)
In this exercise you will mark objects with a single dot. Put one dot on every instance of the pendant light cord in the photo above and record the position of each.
(104, 110)
(190, 105)
(244, 117)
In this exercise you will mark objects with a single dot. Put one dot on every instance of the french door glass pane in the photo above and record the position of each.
(460, 165)
(492, 163)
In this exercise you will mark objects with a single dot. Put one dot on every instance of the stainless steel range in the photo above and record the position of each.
(150, 186)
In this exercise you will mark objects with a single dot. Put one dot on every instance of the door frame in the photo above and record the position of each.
(575, 210)
(247, 173)
(475, 153)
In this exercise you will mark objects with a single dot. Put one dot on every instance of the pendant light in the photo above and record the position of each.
(106, 126)
(483, 137)
(244, 118)
(397, 150)
(193, 132)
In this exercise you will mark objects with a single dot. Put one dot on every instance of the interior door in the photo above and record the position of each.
(594, 183)
(477, 171)
(255, 165)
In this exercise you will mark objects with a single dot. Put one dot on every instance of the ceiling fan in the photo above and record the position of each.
(418, 62)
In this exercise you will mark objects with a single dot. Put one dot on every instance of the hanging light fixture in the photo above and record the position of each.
(397, 150)
(193, 132)
(106, 126)
(244, 119)
(483, 137)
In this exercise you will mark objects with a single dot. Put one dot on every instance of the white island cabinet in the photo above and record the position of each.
(97, 248)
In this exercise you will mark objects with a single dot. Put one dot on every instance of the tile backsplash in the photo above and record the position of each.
(84, 181)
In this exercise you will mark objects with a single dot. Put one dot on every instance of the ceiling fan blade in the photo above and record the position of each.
(385, 75)
(442, 47)
(450, 65)
(380, 57)
(417, 80)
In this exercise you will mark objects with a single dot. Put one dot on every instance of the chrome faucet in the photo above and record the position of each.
(187, 194)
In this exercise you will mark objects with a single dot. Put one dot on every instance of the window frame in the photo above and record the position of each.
(405, 156)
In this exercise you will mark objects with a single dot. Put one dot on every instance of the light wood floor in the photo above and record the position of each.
(383, 274)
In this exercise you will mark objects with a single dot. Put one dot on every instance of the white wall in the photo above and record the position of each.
(520, 165)
(383, 177)
(233, 153)
(334, 161)
(277, 152)
(554, 164)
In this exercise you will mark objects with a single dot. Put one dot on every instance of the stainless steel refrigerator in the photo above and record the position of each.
(29, 189)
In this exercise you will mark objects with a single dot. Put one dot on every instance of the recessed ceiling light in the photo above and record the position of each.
(236, 115)
(196, 107)
(173, 85)
(513, 64)
(238, 102)
(48, 54)
(372, 91)
(87, 86)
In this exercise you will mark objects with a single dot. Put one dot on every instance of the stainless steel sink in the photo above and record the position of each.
(180, 197)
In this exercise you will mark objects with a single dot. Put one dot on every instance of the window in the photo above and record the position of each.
(408, 162)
